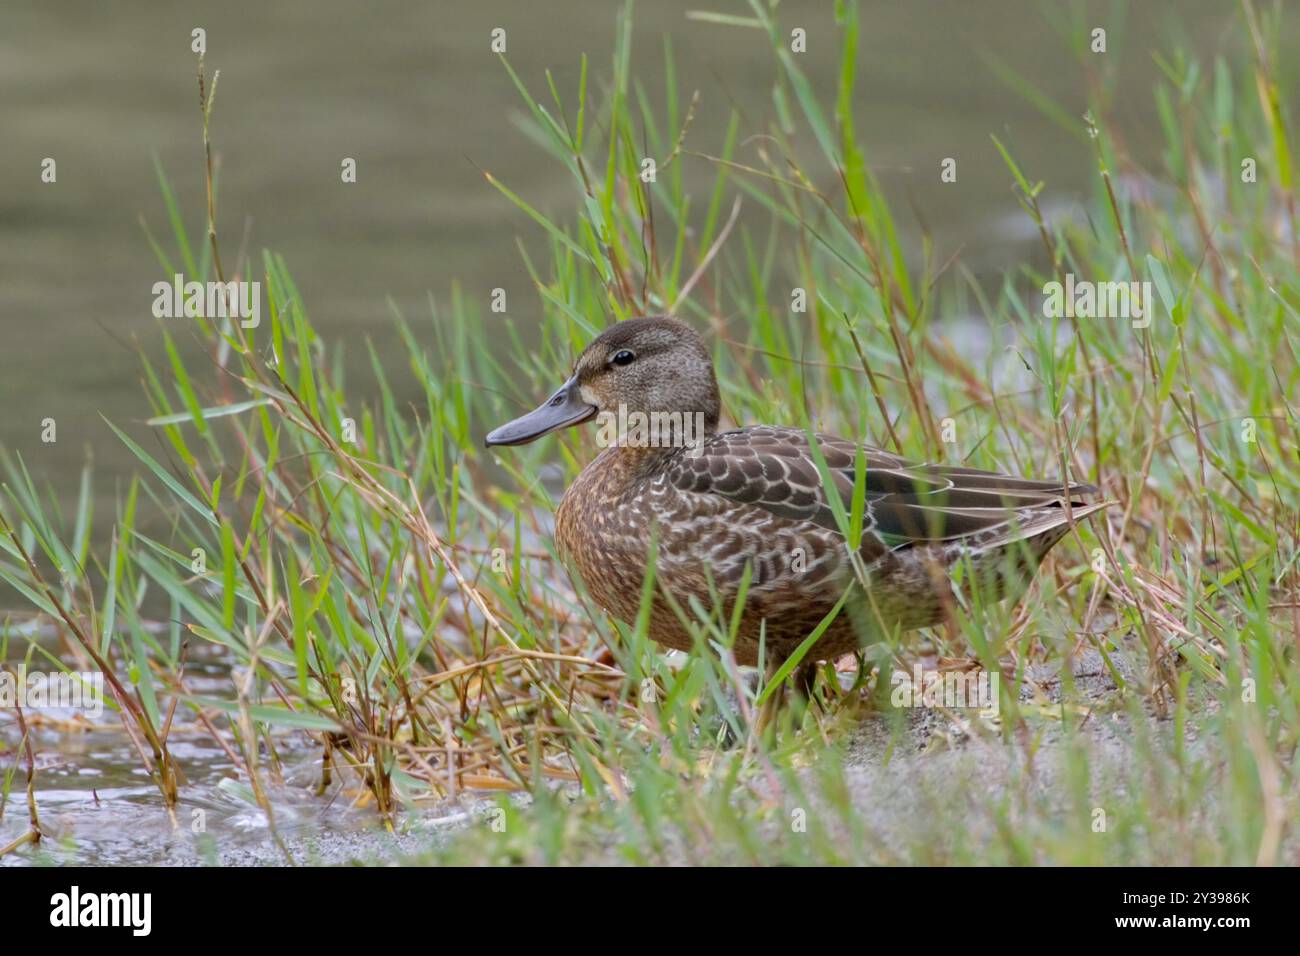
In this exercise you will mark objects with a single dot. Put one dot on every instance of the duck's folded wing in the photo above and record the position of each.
(905, 503)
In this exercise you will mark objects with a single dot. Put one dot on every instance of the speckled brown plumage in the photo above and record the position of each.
(754, 497)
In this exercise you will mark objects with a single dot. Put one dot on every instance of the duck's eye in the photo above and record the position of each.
(622, 357)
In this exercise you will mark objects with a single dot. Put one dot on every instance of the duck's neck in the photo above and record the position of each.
(629, 463)
(634, 462)
(651, 436)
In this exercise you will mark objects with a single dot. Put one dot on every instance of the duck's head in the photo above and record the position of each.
(648, 367)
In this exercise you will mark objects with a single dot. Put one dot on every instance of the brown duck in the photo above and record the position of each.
(752, 505)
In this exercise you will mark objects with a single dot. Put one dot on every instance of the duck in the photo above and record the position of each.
(746, 515)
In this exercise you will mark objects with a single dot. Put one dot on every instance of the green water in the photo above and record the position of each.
(414, 94)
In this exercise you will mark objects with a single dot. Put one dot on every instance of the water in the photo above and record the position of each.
(98, 806)
(413, 93)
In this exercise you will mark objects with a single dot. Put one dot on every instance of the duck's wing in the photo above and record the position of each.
(905, 503)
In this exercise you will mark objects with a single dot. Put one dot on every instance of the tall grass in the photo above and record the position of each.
(380, 583)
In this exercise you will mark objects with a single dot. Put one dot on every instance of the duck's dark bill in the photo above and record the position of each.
(562, 409)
